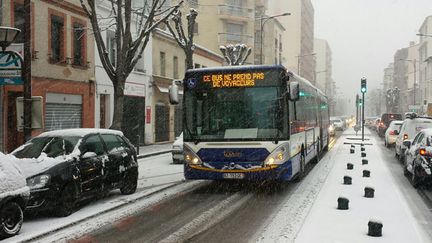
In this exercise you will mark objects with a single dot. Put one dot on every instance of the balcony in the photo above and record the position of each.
(235, 13)
(231, 38)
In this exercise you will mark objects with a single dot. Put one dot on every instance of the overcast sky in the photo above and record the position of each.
(364, 35)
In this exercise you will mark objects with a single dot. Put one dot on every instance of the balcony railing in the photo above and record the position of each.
(235, 11)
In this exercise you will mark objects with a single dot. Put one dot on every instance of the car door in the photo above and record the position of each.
(116, 158)
(412, 151)
(91, 161)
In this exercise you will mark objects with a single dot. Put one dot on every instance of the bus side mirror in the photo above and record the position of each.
(294, 91)
(174, 92)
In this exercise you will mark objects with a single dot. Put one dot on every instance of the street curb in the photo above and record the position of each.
(40, 236)
(141, 156)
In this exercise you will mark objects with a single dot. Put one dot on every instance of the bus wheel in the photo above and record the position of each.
(302, 170)
(318, 152)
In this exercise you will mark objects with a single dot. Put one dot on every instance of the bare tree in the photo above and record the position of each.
(185, 42)
(129, 44)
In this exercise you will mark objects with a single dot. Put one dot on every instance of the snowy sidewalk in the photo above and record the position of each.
(325, 223)
(154, 149)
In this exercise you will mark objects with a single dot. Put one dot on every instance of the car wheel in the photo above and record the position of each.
(67, 202)
(406, 172)
(11, 218)
(415, 180)
(318, 155)
(396, 154)
(130, 182)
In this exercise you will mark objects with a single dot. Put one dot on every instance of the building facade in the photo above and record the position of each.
(298, 52)
(425, 61)
(62, 68)
(323, 69)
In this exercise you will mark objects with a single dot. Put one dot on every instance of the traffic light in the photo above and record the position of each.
(360, 102)
(363, 85)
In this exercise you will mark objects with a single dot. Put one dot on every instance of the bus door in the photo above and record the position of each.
(309, 139)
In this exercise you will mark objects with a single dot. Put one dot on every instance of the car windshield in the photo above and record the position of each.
(51, 146)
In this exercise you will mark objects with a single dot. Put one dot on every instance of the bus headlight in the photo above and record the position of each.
(190, 157)
(278, 156)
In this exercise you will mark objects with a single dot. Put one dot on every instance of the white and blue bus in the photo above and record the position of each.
(256, 122)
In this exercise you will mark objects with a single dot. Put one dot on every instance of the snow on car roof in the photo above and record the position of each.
(79, 132)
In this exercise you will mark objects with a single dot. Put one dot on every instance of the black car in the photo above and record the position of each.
(64, 167)
(386, 118)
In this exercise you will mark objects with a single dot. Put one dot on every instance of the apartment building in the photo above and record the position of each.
(298, 52)
(62, 68)
(406, 77)
(168, 65)
(223, 22)
(323, 68)
(425, 61)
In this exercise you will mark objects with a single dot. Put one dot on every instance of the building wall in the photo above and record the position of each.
(323, 68)
(48, 77)
(425, 60)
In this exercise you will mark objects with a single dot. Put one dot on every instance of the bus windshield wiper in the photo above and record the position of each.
(196, 140)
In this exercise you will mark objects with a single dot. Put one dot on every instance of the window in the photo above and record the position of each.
(162, 63)
(57, 40)
(111, 46)
(112, 142)
(197, 65)
(195, 29)
(18, 20)
(175, 67)
(79, 39)
(93, 144)
(234, 31)
(139, 66)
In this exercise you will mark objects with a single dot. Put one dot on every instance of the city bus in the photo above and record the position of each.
(257, 122)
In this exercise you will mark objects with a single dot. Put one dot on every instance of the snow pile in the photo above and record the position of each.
(12, 181)
(35, 166)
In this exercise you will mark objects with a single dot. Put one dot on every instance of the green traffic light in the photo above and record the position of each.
(363, 89)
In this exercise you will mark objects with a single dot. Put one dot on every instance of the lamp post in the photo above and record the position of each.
(263, 20)
(299, 58)
(7, 37)
(414, 62)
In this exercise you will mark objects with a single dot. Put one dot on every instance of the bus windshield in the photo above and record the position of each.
(235, 114)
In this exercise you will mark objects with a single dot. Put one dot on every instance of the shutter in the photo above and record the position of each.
(62, 116)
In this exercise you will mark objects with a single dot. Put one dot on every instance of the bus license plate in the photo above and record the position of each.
(233, 175)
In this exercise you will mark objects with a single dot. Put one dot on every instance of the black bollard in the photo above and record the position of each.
(369, 192)
(375, 228)
(350, 166)
(363, 154)
(362, 149)
(352, 146)
(343, 203)
(352, 151)
(366, 173)
(364, 161)
(347, 180)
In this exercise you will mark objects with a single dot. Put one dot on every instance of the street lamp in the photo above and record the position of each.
(263, 20)
(7, 36)
(414, 62)
(298, 60)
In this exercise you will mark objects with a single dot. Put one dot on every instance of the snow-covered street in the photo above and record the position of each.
(199, 211)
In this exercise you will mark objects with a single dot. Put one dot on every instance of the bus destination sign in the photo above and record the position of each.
(233, 80)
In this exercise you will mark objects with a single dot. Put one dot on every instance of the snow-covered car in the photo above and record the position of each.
(177, 150)
(418, 157)
(392, 133)
(410, 127)
(14, 194)
(337, 123)
(331, 130)
(64, 167)
(386, 118)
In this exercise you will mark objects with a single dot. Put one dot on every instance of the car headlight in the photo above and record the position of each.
(190, 157)
(330, 128)
(37, 182)
(278, 156)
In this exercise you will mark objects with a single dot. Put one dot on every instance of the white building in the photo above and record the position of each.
(323, 67)
(137, 99)
(425, 60)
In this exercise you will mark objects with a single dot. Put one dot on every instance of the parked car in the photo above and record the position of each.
(14, 194)
(386, 118)
(392, 133)
(337, 123)
(177, 150)
(377, 124)
(64, 167)
(418, 159)
(410, 127)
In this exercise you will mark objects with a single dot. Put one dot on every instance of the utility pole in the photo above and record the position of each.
(26, 71)
(357, 109)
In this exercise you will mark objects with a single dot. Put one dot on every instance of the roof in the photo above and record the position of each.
(80, 132)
